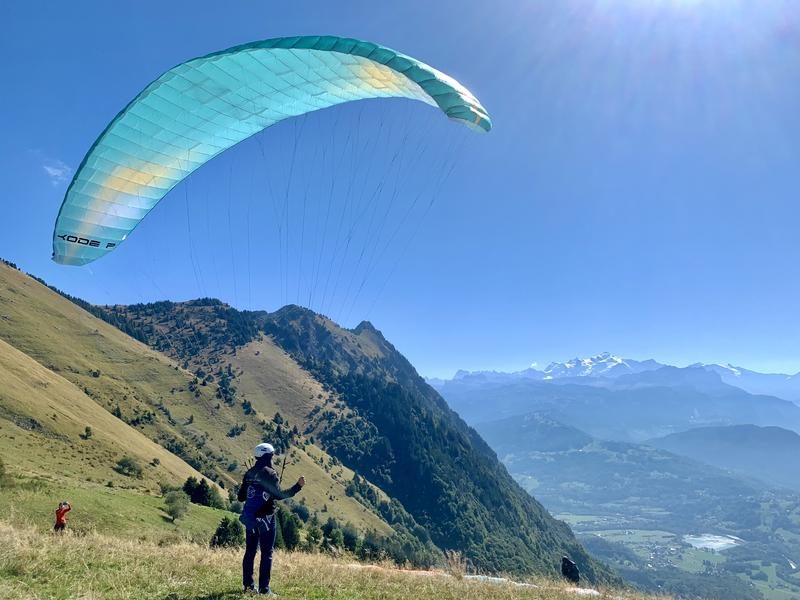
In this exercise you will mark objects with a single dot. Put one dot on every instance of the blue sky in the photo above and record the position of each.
(638, 193)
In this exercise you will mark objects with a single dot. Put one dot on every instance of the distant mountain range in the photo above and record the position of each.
(634, 407)
(774, 384)
(637, 454)
(602, 365)
(765, 453)
(611, 366)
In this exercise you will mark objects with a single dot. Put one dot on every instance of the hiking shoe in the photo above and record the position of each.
(268, 593)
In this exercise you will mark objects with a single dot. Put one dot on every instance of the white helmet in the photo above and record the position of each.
(263, 449)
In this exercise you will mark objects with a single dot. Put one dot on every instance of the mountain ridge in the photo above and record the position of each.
(358, 401)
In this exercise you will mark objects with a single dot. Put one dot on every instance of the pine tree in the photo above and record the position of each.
(279, 543)
(350, 537)
(229, 534)
(291, 532)
(337, 538)
(329, 527)
(313, 538)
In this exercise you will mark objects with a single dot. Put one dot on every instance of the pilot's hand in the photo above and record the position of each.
(302, 481)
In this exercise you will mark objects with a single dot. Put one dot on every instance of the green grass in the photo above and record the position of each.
(637, 536)
(578, 520)
(772, 587)
(95, 508)
(691, 559)
(42, 566)
(45, 417)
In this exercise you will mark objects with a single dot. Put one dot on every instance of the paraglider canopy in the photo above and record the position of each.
(204, 106)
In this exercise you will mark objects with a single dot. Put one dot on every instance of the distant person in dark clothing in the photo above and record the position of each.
(61, 516)
(570, 570)
(259, 491)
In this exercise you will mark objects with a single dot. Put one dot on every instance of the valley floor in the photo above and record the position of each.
(40, 565)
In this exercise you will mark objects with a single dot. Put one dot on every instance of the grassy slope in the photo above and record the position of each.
(43, 333)
(75, 345)
(273, 382)
(124, 513)
(95, 566)
(45, 416)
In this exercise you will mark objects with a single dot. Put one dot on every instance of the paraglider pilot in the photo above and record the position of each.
(570, 570)
(259, 491)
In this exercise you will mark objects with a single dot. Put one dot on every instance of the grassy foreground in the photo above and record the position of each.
(38, 565)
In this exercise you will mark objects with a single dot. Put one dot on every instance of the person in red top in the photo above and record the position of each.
(61, 515)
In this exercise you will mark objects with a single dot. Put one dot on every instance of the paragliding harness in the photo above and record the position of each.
(265, 514)
(261, 519)
(242, 494)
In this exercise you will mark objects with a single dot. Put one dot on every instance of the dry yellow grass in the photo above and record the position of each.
(273, 382)
(36, 565)
(61, 412)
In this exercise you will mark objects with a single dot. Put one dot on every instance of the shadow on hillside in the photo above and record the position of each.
(229, 595)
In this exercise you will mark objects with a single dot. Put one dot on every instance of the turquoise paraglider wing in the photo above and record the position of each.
(206, 105)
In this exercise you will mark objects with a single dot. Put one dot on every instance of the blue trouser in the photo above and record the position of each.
(263, 535)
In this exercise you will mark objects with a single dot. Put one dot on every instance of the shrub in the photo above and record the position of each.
(129, 467)
(455, 563)
(330, 527)
(337, 538)
(350, 537)
(313, 538)
(229, 534)
(5, 478)
(176, 504)
(166, 488)
(200, 492)
(302, 511)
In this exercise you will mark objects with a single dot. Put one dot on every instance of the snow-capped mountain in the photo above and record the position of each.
(612, 366)
(773, 384)
(602, 365)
